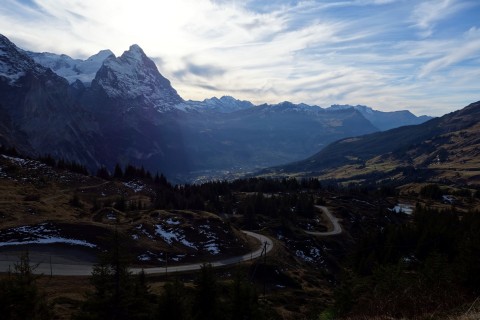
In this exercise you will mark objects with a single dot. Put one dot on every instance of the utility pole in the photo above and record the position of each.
(264, 251)
(166, 265)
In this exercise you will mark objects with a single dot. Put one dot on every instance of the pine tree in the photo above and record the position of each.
(206, 300)
(130, 172)
(243, 300)
(117, 294)
(103, 173)
(173, 303)
(118, 173)
(20, 297)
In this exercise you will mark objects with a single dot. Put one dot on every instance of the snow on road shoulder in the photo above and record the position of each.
(44, 233)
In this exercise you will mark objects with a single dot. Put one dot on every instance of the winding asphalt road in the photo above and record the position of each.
(337, 228)
(85, 268)
(63, 269)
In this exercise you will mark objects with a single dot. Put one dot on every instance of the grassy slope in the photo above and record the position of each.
(32, 193)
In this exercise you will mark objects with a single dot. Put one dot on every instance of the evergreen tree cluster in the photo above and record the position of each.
(63, 164)
(9, 151)
(407, 270)
(119, 294)
(50, 161)
(431, 191)
(283, 206)
(20, 295)
(265, 185)
(219, 196)
(128, 173)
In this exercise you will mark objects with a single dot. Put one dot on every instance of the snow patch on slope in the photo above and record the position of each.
(170, 236)
(211, 245)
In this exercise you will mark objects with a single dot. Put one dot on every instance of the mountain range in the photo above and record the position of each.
(445, 149)
(106, 110)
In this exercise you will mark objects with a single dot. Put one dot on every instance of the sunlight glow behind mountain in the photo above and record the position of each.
(389, 54)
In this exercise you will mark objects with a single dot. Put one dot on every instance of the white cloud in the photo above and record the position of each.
(426, 14)
(375, 2)
(457, 54)
(318, 52)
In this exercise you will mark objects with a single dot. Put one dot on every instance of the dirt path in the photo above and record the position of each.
(337, 228)
(85, 269)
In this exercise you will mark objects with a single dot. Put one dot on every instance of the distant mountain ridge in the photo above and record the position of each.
(445, 148)
(385, 120)
(250, 139)
(106, 110)
(225, 104)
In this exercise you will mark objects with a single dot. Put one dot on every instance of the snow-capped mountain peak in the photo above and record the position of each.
(93, 63)
(133, 76)
(132, 61)
(225, 104)
(361, 108)
(287, 107)
(135, 53)
(100, 56)
(72, 69)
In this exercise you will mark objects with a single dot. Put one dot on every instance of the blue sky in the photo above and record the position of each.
(421, 55)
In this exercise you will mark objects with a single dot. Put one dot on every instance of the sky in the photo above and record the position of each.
(420, 55)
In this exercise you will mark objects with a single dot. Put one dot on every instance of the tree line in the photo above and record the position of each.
(426, 265)
(119, 294)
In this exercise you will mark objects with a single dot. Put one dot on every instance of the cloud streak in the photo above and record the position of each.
(428, 13)
(346, 51)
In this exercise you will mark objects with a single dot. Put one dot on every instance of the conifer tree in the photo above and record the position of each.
(20, 296)
(117, 294)
(118, 173)
(243, 300)
(103, 173)
(206, 300)
(173, 303)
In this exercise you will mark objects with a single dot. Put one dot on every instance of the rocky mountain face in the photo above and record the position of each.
(106, 110)
(133, 105)
(37, 112)
(124, 115)
(442, 149)
(133, 81)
